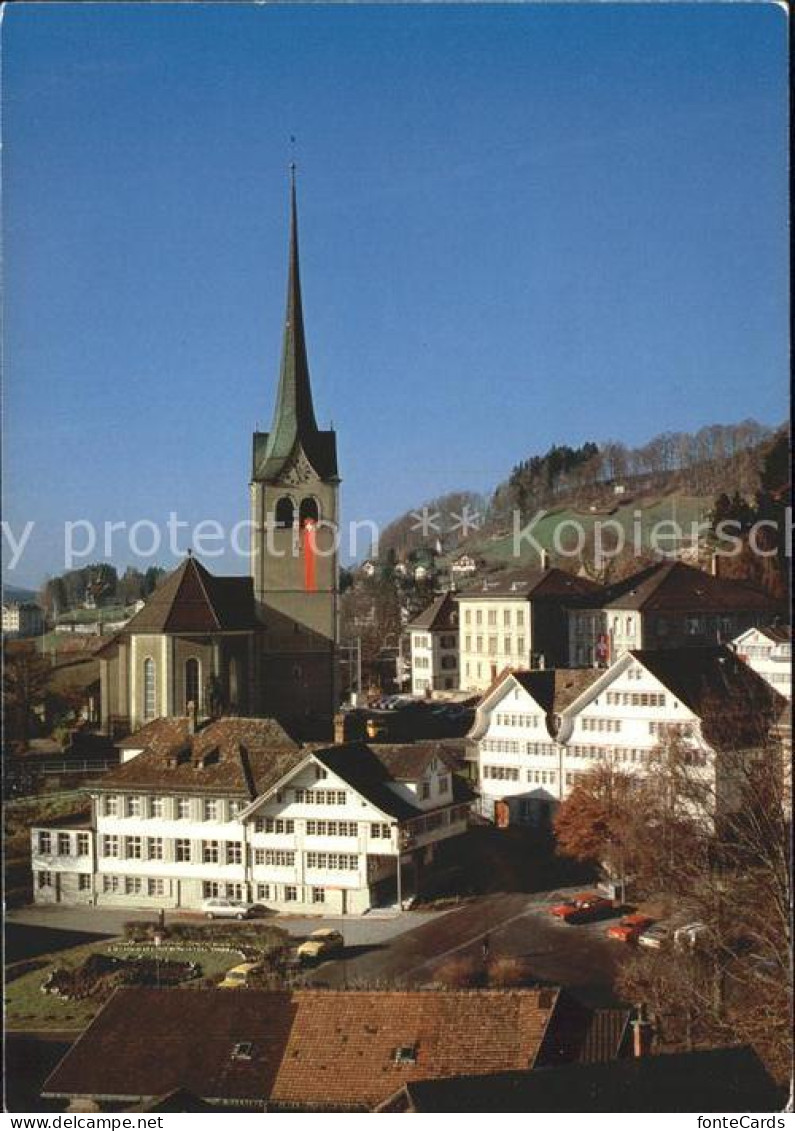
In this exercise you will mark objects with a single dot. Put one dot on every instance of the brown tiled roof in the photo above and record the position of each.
(231, 755)
(159, 735)
(78, 820)
(551, 584)
(309, 1048)
(440, 616)
(678, 587)
(191, 599)
(555, 688)
(342, 1046)
(146, 1043)
(778, 633)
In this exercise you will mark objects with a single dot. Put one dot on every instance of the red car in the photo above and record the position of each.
(582, 908)
(630, 927)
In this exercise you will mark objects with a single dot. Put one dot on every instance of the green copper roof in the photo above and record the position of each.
(294, 422)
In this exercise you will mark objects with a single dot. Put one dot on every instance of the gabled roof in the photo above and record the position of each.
(736, 706)
(778, 633)
(678, 587)
(294, 426)
(554, 689)
(370, 769)
(240, 756)
(191, 599)
(550, 584)
(308, 1049)
(440, 616)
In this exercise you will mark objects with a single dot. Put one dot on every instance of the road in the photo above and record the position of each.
(404, 949)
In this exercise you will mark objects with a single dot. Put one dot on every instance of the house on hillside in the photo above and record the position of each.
(237, 809)
(665, 605)
(536, 732)
(434, 647)
(516, 619)
(21, 619)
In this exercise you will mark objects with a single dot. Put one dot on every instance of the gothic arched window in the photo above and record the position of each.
(309, 511)
(285, 513)
(192, 683)
(150, 689)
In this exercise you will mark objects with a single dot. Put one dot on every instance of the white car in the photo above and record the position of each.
(220, 908)
(689, 935)
(656, 937)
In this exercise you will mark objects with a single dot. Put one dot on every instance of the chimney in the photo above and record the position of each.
(642, 1033)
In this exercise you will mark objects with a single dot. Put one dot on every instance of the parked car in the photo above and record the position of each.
(239, 976)
(220, 908)
(321, 944)
(630, 928)
(690, 935)
(657, 937)
(582, 908)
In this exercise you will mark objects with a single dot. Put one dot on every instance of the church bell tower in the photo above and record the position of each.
(294, 511)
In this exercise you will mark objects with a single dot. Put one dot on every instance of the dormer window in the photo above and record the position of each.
(405, 1054)
(425, 790)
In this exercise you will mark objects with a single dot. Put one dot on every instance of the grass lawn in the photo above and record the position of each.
(28, 1008)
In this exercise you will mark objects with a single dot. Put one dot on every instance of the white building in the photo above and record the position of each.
(22, 618)
(516, 619)
(434, 647)
(536, 731)
(228, 811)
(769, 652)
(464, 565)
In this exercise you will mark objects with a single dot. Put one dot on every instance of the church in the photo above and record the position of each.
(266, 644)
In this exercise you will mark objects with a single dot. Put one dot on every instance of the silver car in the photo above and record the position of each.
(221, 908)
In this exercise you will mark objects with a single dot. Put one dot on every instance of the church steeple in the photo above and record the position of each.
(294, 424)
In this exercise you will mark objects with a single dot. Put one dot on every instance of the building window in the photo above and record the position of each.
(192, 684)
(111, 806)
(308, 511)
(280, 825)
(182, 850)
(263, 891)
(110, 846)
(444, 783)
(155, 848)
(83, 844)
(211, 810)
(183, 808)
(333, 861)
(235, 808)
(320, 773)
(133, 849)
(210, 851)
(110, 883)
(64, 844)
(425, 790)
(45, 844)
(150, 690)
(134, 807)
(44, 879)
(318, 895)
(331, 828)
(285, 513)
(290, 894)
(158, 805)
(211, 889)
(156, 887)
(133, 885)
(380, 830)
(83, 882)
(279, 858)
(234, 852)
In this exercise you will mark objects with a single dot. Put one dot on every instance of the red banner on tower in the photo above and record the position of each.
(310, 581)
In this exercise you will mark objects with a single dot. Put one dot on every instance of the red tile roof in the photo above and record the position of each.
(309, 1048)
(191, 599)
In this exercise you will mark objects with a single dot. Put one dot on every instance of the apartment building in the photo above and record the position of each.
(516, 619)
(226, 812)
(22, 618)
(537, 731)
(666, 605)
(768, 651)
(434, 647)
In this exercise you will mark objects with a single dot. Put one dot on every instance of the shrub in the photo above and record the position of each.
(509, 972)
(461, 973)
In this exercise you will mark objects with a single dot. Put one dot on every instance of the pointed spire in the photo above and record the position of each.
(295, 414)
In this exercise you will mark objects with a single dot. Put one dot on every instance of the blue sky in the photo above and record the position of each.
(520, 225)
